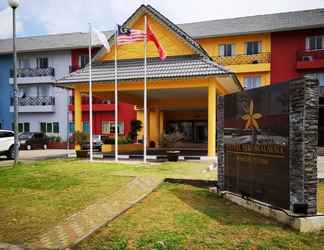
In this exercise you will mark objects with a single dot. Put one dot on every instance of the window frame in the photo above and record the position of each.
(259, 84)
(81, 58)
(254, 42)
(39, 62)
(223, 52)
(111, 127)
(308, 43)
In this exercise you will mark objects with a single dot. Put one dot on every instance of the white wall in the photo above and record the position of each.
(60, 61)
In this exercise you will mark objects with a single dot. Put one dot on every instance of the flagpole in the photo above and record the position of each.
(145, 92)
(90, 92)
(116, 97)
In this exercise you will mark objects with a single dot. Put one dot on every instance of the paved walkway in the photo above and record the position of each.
(80, 225)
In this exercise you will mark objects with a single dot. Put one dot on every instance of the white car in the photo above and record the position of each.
(7, 143)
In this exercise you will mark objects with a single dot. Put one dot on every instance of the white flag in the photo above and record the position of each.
(101, 38)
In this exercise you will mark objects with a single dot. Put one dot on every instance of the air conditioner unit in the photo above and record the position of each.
(307, 58)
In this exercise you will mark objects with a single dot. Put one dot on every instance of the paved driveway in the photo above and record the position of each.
(34, 155)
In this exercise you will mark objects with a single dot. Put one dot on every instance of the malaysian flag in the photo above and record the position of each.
(126, 35)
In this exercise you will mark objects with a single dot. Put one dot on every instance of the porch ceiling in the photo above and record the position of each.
(175, 99)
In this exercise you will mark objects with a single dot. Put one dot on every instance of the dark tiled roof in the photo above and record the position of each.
(172, 67)
(65, 41)
(294, 20)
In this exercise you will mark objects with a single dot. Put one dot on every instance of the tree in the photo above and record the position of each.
(136, 126)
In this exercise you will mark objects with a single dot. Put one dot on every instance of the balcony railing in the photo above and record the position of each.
(264, 57)
(33, 72)
(95, 100)
(312, 55)
(35, 101)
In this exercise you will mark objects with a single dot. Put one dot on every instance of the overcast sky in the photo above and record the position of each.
(39, 17)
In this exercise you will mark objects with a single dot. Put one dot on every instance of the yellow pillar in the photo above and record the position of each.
(148, 119)
(155, 125)
(161, 124)
(140, 117)
(77, 114)
(212, 120)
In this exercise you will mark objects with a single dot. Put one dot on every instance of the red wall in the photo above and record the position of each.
(78, 52)
(105, 112)
(126, 114)
(284, 48)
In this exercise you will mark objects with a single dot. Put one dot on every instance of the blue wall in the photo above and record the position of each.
(6, 117)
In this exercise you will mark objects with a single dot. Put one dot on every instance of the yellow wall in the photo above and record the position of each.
(265, 77)
(211, 45)
(169, 40)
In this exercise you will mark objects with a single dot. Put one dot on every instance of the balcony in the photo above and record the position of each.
(33, 75)
(310, 60)
(243, 59)
(37, 104)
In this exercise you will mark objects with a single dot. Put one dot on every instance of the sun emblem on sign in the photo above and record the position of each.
(250, 117)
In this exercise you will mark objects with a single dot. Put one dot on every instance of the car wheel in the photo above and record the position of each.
(29, 147)
(45, 146)
(11, 153)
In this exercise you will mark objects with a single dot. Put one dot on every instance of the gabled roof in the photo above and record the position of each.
(132, 70)
(149, 10)
(285, 21)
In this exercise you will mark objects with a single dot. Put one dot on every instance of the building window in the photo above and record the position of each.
(314, 42)
(22, 127)
(86, 127)
(253, 47)
(83, 60)
(251, 82)
(108, 127)
(319, 77)
(50, 127)
(56, 127)
(42, 62)
(226, 50)
(71, 127)
(23, 63)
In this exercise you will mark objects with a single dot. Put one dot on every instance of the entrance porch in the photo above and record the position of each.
(181, 96)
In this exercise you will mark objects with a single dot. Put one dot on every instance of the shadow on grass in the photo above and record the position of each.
(220, 209)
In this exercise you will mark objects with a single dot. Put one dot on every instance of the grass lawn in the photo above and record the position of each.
(34, 197)
(184, 217)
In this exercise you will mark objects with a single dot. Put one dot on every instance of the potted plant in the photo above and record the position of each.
(171, 141)
(80, 138)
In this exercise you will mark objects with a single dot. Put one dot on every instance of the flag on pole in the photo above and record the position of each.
(101, 39)
(151, 37)
(126, 35)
